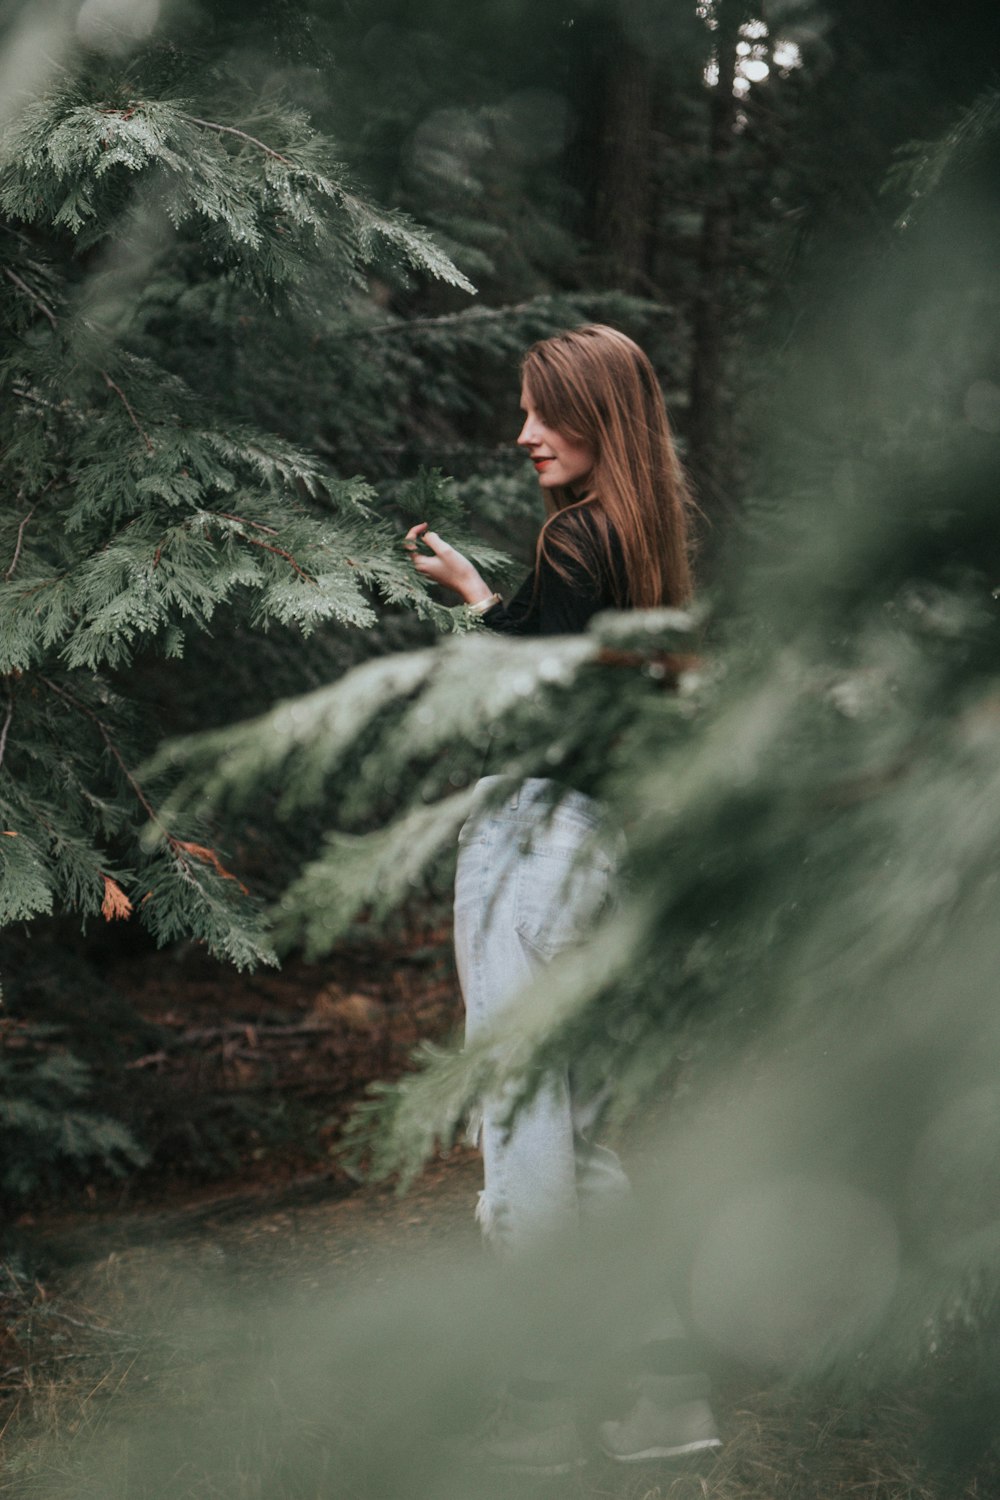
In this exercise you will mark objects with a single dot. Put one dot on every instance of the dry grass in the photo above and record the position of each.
(141, 1375)
(87, 1371)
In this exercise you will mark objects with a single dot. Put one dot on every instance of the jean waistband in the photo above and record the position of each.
(535, 791)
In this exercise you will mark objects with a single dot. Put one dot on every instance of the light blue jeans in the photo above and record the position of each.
(523, 894)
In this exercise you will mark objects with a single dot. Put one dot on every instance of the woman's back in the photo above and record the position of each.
(580, 572)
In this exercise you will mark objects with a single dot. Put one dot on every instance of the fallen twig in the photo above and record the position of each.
(196, 1035)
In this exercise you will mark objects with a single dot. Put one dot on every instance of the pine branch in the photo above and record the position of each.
(556, 310)
(105, 734)
(17, 549)
(131, 550)
(32, 296)
(921, 166)
(127, 405)
(6, 729)
(445, 320)
(280, 552)
(232, 130)
(185, 853)
(256, 542)
(23, 395)
(244, 521)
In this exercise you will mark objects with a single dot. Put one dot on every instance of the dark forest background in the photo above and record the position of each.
(231, 322)
(266, 272)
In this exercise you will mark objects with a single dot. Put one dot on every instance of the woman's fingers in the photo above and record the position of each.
(438, 547)
(410, 539)
(440, 563)
(430, 567)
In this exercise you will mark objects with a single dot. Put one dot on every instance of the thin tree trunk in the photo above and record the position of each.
(709, 438)
(622, 200)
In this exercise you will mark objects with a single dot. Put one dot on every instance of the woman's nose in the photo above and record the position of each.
(528, 434)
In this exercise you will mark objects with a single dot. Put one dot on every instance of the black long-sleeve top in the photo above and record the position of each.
(547, 603)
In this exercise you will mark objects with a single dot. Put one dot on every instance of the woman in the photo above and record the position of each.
(534, 868)
(616, 534)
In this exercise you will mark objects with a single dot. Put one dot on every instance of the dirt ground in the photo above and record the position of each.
(236, 1084)
(91, 1347)
(105, 1300)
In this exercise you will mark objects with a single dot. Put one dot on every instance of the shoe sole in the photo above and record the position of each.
(537, 1471)
(702, 1445)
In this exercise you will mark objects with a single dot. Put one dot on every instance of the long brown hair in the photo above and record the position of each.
(595, 385)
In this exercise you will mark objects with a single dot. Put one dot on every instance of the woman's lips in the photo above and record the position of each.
(540, 463)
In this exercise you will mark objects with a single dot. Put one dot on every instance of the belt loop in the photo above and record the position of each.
(515, 797)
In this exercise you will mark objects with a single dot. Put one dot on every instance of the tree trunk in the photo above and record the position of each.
(615, 153)
(623, 189)
(708, 426)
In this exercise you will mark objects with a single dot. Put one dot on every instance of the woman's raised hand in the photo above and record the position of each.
(446, 566)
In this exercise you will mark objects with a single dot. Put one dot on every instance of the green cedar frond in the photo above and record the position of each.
(25, 882)
(300, 742)
(270, 206)
(377, 874)
(138, 507)
(433, 497)
(185, 893)
(415, 245)
(421, 721)
(920, 167)
(46, 1127)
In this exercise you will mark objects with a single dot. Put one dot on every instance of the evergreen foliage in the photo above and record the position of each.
(922, 166)
(807, 782)
(809, 807)
(138, 505)
(48, 1131)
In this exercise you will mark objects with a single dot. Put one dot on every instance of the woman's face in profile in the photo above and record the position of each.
(560, 461)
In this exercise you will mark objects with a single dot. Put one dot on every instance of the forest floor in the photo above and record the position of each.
(133, 1320)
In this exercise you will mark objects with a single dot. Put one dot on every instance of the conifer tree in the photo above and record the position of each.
(143, 198)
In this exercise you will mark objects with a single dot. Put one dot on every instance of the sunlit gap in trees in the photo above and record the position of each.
(757, 53)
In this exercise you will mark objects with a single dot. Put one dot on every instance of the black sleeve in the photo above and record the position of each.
(517, 617)
(559, 606)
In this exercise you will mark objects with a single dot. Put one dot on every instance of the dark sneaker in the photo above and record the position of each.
(664, 1421)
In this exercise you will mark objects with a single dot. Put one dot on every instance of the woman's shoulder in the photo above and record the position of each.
(586, 532)
(585, 522)
(583, 543)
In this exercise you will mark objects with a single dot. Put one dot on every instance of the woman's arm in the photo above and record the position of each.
(557, 606)
(561, 602)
